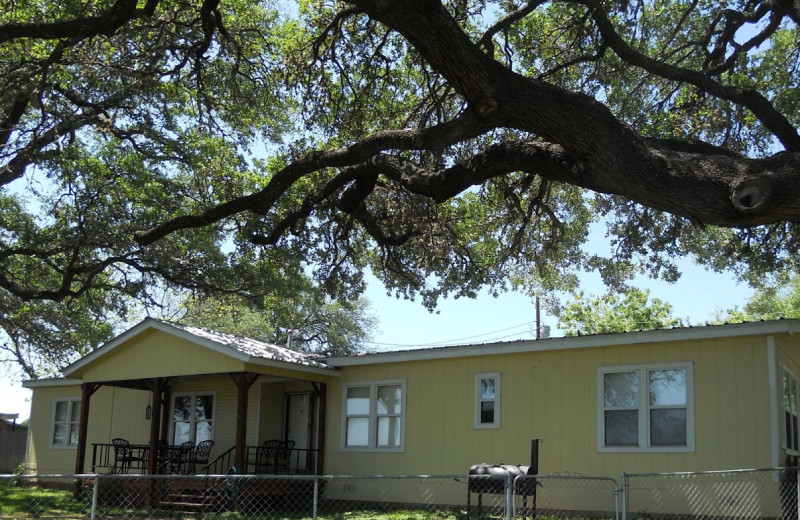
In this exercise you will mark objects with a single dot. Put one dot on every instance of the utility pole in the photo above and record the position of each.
(538, 320)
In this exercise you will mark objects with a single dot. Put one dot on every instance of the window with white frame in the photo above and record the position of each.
(374, 416)
(790, 412)
(192, 417)
(646, 408)
(487, 400)
(66, 422)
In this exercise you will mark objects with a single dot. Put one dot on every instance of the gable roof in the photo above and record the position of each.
(238, 347)
(782, 326)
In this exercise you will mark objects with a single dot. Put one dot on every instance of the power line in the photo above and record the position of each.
(458, 341)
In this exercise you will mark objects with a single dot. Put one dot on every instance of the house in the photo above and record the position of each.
(13, 438)
(688, 399)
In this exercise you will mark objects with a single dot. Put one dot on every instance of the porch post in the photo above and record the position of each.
(321, 389)
(243, 380)
(156, 386)
(87, 389)
(165, 418)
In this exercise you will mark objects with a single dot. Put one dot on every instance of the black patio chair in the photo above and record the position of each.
(124, 456)
(200, 455)
(275, 455)
(178, 458)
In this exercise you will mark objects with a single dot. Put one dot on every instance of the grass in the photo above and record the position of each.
(18, 502)
(23, 502)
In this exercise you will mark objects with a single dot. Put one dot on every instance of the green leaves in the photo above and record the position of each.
(615, 312)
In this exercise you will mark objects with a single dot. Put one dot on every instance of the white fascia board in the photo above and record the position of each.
(44, 383)
(575, 342)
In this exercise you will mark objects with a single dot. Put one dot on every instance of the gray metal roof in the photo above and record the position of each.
(249, 346)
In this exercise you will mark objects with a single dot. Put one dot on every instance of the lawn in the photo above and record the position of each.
(18, 502)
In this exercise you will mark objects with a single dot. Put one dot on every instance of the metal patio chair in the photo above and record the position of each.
(200, 455)
(124, 456)
(275, 455)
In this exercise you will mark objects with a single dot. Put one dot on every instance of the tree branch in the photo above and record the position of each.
(122, 12)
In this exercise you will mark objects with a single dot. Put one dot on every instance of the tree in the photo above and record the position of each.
(307, 322)
(40, 337)
(770, 302)
(218, 146)
(614, 312)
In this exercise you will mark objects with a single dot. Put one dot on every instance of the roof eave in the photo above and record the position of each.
(52, 382)
(576, 342)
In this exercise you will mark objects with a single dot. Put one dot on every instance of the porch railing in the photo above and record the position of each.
(301, 462)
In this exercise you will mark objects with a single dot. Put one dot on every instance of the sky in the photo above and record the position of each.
(403, 324)
(407, 324)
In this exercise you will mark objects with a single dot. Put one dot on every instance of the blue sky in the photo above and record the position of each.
(404, 324)
(511, 316)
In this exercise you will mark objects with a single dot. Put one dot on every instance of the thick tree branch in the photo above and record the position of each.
(107, 23)
(434, 138)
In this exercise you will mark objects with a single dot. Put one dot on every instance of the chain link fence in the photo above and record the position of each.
(767, 493)
(737, 494)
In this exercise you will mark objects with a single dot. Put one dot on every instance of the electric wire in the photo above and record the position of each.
(459, 341)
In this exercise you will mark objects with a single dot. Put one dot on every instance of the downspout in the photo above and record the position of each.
(774, 399)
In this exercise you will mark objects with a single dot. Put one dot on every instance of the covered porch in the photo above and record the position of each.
(199, 388)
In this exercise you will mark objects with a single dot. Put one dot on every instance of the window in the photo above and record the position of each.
(373, 416)
(790, 413)
(192, 418)
(66, 422)
(646, 408)
(487, 400)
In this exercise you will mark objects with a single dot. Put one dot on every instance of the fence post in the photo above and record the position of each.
(509, 496)
(797, 488)
(95, 492)
(625, 490)
(316, 498)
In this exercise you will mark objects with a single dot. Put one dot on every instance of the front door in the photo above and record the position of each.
(298, 425)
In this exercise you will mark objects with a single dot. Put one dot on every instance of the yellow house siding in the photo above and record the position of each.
(788, 354)
(157, 354)
(271, 412)
(552, 396)
(113, 412)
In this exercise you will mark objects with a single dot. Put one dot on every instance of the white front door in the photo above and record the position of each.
(298, 425)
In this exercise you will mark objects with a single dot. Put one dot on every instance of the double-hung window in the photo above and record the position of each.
(487, 400)
(646, 408)
(374, 416)
(192, 417)
(790, 412)
(66, 422)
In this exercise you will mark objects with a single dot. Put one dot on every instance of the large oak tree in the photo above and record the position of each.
(227, 145)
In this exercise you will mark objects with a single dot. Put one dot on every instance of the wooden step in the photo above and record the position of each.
(189, 499)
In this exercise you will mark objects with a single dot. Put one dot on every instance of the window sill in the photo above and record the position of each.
(365, 449)
(651, 449)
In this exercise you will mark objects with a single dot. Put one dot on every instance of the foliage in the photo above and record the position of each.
(770, 302)
(614, 312)
(305, 321)
(39, 337)
(227, 146)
